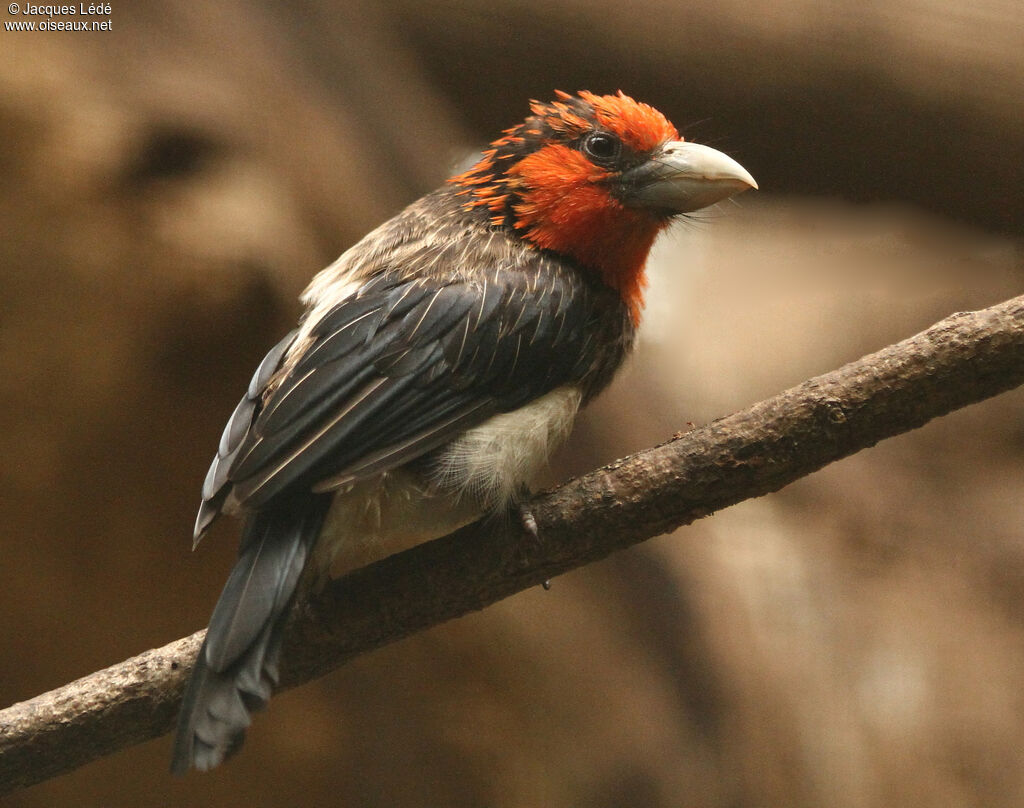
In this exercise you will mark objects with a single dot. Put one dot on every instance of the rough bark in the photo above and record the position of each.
(961, 360)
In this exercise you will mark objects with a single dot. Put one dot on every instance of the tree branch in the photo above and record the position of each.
(961, 360)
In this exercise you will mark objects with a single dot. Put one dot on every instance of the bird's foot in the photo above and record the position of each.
(529, 523)
(526, 518)
(532, 541)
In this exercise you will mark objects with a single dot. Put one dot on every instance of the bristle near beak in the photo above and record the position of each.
(683, 177)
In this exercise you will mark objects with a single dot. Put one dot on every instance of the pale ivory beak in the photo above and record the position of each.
(684, 177)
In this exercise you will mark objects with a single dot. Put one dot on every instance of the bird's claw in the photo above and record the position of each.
(526, 518)
(529, 523)
(531, 541)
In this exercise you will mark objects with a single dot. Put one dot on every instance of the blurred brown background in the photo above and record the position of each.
(167, 189)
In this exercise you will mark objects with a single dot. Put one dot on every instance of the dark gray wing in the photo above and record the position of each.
(396, 370)
(403, 367)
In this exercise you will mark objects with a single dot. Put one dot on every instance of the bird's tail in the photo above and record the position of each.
(237, 665)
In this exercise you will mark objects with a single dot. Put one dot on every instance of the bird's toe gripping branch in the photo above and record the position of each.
(530, 541)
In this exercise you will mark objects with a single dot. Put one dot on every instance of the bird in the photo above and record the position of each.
(438, 363)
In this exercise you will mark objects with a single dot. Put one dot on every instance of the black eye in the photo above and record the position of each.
(602, 147)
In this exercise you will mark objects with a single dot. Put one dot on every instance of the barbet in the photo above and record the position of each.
(439, 362)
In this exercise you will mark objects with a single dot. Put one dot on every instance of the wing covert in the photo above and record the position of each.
(404, 366)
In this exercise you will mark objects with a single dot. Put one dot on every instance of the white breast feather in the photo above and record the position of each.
(491, 461)
(481, 470)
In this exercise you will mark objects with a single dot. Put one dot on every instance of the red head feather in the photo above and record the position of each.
(537, 179)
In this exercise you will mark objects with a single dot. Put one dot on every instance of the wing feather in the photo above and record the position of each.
(402, 367)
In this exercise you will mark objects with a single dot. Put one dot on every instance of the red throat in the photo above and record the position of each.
(559, 200)
(564, 206)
